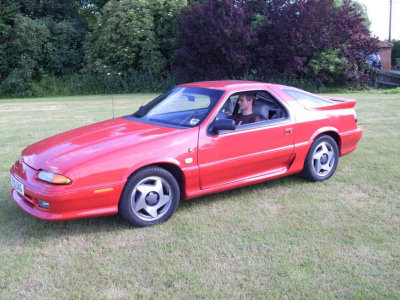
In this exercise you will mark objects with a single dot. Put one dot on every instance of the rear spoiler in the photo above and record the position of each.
(339, 103)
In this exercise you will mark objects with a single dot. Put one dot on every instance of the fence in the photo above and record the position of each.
(388, 79)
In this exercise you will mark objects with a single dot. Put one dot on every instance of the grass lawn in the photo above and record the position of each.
(286, 238)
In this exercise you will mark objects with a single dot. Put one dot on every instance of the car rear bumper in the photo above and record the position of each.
(349, 141)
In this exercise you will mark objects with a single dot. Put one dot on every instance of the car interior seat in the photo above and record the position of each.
(260, 108)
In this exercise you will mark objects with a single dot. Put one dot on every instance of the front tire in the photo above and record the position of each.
(150, 196)
(322, 159)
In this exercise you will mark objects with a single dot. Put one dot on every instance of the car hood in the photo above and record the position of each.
(63, 151)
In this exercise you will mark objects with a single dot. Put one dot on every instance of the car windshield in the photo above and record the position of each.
(181, 107)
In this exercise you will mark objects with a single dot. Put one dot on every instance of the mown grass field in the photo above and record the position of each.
(286, 238)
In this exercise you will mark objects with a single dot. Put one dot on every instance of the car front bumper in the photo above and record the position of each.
(65, 201)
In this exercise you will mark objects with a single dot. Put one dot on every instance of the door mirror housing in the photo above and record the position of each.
(222, 124)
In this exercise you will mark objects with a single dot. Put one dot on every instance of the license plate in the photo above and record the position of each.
(18, 186)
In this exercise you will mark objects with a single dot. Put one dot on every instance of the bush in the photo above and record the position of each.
(37, 48)
(86, 84)
(232, 39)
(132, 36)
(328, 67)
(131, 45)
(214, 38)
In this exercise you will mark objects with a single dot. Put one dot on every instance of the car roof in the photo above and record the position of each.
(231, 85)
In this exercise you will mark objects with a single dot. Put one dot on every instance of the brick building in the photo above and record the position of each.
(385, 53)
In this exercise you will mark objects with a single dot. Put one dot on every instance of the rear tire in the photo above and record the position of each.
(150, 196)
(322, 159)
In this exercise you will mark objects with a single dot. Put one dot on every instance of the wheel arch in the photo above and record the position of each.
(174, 170)
(335, 136)
(170, 167)
(332, 132)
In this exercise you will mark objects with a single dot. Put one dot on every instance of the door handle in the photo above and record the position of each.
(288, 131)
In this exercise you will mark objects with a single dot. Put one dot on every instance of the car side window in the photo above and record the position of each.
(228, 108)
(275, 110)
(307, 100)
(265, 107)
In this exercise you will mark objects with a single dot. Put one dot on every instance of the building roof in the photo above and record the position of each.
(384, 44)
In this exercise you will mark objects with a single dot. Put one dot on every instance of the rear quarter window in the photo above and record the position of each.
(308, 100)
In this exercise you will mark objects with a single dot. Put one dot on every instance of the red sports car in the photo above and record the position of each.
(195, 139)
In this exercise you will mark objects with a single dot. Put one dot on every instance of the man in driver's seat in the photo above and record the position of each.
(246, 101)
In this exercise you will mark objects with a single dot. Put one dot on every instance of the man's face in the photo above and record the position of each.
(244, 103)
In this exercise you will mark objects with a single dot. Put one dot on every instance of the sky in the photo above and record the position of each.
(378, 13)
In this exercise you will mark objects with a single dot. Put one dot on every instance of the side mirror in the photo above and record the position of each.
(222, 124)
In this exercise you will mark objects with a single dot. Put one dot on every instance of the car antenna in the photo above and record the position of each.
(112, 103)
(112, 95)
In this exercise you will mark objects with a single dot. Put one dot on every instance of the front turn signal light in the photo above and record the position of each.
(53, 178)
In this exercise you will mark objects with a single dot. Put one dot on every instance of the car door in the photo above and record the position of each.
(252, 150)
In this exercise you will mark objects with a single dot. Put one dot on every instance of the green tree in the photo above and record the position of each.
(64, 50)
(90, 10)
(38, 39)
(56, 9)
(361, 8)
(328, 67)
(26, 62)
(165, 26)
(395, 51)
(38, 48)
(132, 36)
(364, 12)
(8, 11)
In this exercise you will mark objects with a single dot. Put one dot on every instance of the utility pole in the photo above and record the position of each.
(390, 22)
